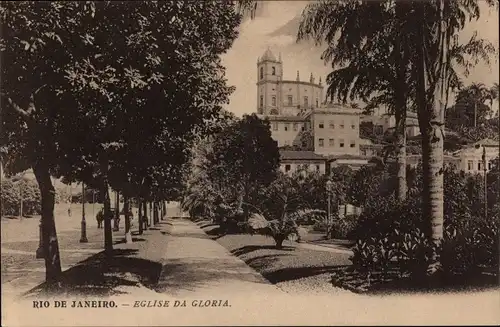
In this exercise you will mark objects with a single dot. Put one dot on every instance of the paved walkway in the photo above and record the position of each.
(197, 266)
(324, 247)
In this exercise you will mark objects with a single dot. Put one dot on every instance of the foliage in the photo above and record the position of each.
(111, 93)
(229, 169)
(281, 208)
(393, 233)
(11, 196)
(470, 109)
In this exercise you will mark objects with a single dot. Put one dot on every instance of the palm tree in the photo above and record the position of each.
(368, 32)
(426, 30)
(436, 23)
(282, 209)
(477, 93)
(493, 94)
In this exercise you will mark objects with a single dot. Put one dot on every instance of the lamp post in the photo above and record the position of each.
(329, 206)
(485, 170)
(83, 238)
(21, 199)
(93, 202)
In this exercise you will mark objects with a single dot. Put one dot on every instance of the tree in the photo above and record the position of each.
(246, 156)
(367, 31)
(470, 109)
(100, 82)
(438, 21)
(281, 208)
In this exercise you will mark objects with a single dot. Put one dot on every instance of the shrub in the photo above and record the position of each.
(278, 229)
(391, 233)
(343, 228)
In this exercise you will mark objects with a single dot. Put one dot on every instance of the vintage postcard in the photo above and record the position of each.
(209, 163)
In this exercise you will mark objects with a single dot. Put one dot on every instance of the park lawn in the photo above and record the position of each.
(292, 268)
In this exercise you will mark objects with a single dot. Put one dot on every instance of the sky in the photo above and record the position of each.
(276, 27)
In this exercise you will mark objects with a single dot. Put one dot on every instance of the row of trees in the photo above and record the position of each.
(111, 94)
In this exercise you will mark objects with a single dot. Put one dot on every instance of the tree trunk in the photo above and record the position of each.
(155, 212)
(279, 241)
(400, 110)
(431, 126)
(117, 212)
(150, 220)
(140, 216)
(126, 209)
(108, 216)
(49, 235)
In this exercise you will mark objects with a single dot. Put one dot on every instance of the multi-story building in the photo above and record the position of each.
(387, 122)
(322, 133)
(276, 96)
(470, 158)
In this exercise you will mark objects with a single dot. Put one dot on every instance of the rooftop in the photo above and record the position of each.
(300, 155)
(486, 142)
(348, 157)
(268, 56)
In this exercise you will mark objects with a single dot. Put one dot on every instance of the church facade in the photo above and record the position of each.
(310, 132)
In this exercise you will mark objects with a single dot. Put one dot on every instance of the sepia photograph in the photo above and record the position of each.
(228, 163)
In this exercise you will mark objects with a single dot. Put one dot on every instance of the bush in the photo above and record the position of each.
(393, 234)
(343, 228)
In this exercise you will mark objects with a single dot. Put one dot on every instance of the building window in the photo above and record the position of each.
(321, 124)
(295, 126)
(470, 165)
(274, 70)
(489, 165)
(317, 102)
(332, 124)
(287, 126)
(321, 142)
(479, 166)
(353, 125)
(287, 168)
(341, 143)
(353, 144)
(331, 142)
(302, 128)
(262, 101)
(261, 72)
(306, 102)
(275, 126)
(317, 167)
(342, 124)
(273, 100)
(290, 100)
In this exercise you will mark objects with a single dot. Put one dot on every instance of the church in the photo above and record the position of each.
(311, 132)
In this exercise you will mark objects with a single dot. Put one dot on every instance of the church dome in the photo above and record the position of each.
(268, 56)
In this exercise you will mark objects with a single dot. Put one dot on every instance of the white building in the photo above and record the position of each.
(471, 157)
(319, 132)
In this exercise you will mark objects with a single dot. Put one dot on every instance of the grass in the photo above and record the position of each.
(291, 268)
(296, 269)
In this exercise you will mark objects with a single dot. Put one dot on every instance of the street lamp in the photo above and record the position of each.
(329, 206)
(93, 202)
(83, 238)
(485, 170)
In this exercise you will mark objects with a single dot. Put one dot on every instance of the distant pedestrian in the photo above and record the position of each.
(69, 212)
(100, 218)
